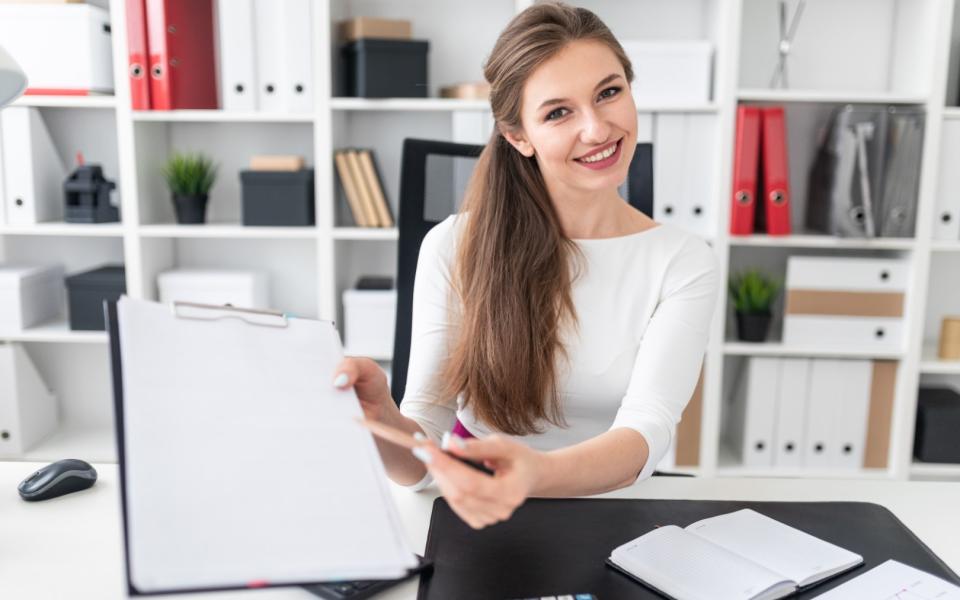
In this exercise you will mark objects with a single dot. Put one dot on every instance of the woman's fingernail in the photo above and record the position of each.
(341, 380)
(423, 455)
(458, 442)
(445, 441)
(419, 437)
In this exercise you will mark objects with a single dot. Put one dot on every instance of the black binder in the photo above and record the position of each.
(559, 546)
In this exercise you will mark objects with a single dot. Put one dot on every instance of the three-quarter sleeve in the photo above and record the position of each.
(433, 324)
(670, 355)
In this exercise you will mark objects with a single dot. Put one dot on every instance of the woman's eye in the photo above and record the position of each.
(609, 92)
(556, 114)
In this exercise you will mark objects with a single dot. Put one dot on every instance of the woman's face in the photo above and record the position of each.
(579, 119)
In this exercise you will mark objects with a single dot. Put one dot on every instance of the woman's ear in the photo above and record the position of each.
(518, 141)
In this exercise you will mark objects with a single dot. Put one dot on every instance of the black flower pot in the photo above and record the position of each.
(190, 209)
(753, 327)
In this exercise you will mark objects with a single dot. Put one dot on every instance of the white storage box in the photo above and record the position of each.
(28, 411)
(243, 289)
(845, 303)
(670, 72)
(873, 334)
(369, 321)
(847, 274)
(29, 295)
(63, 48)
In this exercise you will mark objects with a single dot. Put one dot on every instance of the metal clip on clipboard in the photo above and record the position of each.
(216, 312)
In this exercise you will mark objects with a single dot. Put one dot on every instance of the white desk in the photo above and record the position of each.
(71, 547)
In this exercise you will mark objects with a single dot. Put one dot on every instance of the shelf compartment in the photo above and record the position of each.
(407, 104)
(94, 444)
(56, 331)
(930, 364)
(779, 349)
(65, 229)
(823, 241)
(67, 101)
(365, 233)
(830, 97)
(220, 116)
(226, 231)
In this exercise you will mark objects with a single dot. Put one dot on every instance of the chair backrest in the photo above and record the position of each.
(433, 175)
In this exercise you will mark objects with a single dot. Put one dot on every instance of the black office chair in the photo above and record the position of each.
(430, 191)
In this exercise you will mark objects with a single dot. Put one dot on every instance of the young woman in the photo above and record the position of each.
(558, 333)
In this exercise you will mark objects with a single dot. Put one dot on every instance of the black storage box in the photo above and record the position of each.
(86, 292)
(375, 68)
(937, 437)
(283, 198)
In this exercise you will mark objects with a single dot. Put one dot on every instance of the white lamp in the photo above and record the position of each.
(13, 81)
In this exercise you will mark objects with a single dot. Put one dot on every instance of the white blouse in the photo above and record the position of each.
(643, 302)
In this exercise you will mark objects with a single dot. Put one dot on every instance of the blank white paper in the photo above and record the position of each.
(243, 463)
(894, 581)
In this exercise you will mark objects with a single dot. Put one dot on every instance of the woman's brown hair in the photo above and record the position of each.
(513, 272)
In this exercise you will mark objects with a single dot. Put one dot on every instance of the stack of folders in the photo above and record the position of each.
(265, 51)
(31, 170)
(845, 303)
(820, 413)
(760, 166)
(744, 555)
(865, 178)
(363, 188)
(683, 167)
(170, 54)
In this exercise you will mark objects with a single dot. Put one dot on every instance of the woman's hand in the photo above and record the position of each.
(482, 500)
(370, 383)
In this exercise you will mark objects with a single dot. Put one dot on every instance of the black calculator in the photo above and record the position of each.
(360, 590)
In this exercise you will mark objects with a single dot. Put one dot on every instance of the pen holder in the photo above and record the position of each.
(949, 348)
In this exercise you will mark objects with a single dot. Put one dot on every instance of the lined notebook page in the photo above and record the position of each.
(683, 565)
(894, 581)
(243, 462)
(782, 549)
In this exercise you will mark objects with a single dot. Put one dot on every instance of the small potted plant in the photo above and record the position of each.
(190, 177)
(753, 293)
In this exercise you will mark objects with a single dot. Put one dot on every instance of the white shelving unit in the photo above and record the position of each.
(846, 51)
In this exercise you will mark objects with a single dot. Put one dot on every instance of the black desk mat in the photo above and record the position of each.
(552, 547)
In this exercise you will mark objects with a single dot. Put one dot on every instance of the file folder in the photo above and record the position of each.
(33, 170)
(853, 411)
(180, 36)
(745, 164)
(753, 415)
(297, 61)
(946, 225)
(137, 55)
(901, 178)
(238, 78)
(791, 412)
(776, 171)
(268, 25)
(683, 163)
(28, 410)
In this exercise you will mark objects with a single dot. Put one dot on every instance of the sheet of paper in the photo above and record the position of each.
(243, 462)
(794, 554)
(683, 565)
(894, 581)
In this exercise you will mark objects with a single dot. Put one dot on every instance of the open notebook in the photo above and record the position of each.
(741, 555)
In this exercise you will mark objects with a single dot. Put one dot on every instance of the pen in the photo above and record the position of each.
(402, 438)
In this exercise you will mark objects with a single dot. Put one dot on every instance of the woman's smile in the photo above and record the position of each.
(602, 158)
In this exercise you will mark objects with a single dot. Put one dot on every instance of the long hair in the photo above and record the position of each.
(513, 267)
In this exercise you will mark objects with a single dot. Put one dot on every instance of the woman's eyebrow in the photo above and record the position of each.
(602, 83)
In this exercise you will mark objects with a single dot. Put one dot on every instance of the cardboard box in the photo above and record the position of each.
(369, 27)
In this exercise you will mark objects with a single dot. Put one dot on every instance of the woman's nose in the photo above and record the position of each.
(595, 128)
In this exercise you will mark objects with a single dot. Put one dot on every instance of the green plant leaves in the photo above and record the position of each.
(753, 292)
(189, 174)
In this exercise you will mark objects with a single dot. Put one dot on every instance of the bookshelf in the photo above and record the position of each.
(902, 52)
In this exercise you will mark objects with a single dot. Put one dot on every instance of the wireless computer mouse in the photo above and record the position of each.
(56, 479)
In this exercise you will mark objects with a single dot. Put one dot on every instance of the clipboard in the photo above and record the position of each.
(194, 521)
